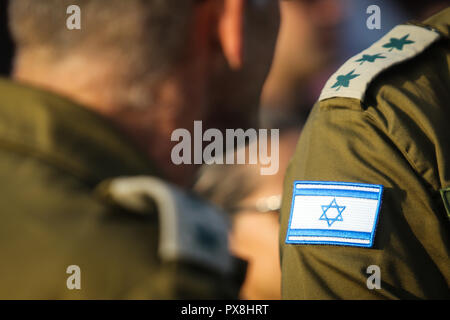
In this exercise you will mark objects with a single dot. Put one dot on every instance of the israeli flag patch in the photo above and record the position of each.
(334, 213)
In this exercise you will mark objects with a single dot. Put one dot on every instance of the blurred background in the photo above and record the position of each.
(315, 37)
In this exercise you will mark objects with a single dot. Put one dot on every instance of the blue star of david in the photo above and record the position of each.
(338, 217)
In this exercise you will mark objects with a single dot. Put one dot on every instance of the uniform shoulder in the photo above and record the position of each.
(398, 87)
(190, 228)
(66, 135)
(353, 79)
(440, 21)
(171, 239)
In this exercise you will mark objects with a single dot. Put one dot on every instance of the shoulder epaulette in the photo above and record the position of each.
(402, 43)
(190, 229)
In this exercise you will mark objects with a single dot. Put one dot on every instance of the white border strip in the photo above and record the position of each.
(327, 239)
(336, 187)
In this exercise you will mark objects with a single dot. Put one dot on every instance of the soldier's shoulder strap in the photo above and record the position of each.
(190, 229)
(401, 44)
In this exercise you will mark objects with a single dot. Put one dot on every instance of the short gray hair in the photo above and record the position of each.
(148, 36)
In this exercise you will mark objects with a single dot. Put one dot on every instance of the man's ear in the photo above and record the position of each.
(231, 31)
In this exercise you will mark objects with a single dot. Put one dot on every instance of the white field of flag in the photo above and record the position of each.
(334, 213)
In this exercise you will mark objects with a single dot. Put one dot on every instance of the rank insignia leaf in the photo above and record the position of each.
(395, 43)
(344, 80)
(370, 58)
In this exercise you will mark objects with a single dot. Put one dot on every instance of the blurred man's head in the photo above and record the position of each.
(125, 43)
(151, 66)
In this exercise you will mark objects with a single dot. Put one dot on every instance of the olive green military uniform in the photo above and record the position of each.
(61, 204)
(393, 132)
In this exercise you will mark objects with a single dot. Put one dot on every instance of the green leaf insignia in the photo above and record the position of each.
(395, 43)
(344, 80)
(370, 58)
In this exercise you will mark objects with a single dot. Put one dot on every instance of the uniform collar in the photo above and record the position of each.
(66, 135)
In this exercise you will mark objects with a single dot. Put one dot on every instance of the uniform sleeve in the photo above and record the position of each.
(342, 142)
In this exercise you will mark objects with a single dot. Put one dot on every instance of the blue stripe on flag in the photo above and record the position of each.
(330, 233)
(338, 193)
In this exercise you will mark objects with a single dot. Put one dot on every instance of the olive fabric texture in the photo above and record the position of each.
(54, 155)
(398, 136)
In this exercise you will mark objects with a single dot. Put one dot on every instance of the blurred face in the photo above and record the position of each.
(235, 94)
